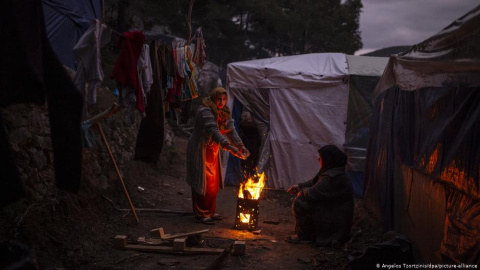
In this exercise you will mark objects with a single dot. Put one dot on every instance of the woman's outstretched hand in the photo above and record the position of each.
(293, 189)
(244, 152)
(234, 151)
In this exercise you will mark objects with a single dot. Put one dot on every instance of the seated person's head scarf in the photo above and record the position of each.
(332, 157)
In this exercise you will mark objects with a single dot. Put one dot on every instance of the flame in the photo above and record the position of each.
(244, 218)
(252, 186)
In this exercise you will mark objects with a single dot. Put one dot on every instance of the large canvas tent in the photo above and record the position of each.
(423, 159)
(66, 22)
(300, 103)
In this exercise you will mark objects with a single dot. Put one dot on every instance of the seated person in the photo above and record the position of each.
(323, 208)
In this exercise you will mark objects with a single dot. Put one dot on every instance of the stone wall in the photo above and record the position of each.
(28, 128)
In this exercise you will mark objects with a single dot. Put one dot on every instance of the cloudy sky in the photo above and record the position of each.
(386, 23)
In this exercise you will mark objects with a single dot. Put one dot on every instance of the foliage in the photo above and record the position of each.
(239, 30)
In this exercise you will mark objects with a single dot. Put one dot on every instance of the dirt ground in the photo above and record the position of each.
(78, 231)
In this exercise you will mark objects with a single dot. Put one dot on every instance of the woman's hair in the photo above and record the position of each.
(332, 157)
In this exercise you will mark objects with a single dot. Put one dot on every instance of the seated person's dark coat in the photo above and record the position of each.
(324, 208)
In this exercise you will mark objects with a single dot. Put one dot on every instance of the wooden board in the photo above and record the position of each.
(186, 250)
(159, 232)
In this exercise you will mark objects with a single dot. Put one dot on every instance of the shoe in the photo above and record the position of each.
(207, 220)
(217, 216)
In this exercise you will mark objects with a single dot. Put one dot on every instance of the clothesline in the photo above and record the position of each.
(178, 45)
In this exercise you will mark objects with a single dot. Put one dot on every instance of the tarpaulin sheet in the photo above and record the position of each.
(461, 240)
(300, 103)
(296, 71)
(353, 77)
(427, 117)
(433, 130)
(302, 121)
(358, 120)
(66, 22)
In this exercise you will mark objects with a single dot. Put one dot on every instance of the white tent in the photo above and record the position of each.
(300, 104)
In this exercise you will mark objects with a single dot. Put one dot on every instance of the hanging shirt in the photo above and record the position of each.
(87, 55)
(145, 69)
(125, 68)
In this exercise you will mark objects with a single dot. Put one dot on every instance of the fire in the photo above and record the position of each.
(252, 187)
(244, 218)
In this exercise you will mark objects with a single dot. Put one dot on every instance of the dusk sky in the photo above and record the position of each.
(386, 23)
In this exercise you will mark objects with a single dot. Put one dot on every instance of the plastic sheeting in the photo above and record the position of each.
(299, 104)
(461, 239)
(427, 118)
(366, 65)
(293, 71)
(302, 121)
(66, 22)
(358, 120)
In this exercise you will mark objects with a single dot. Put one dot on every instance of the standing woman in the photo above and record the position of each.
(213, 129)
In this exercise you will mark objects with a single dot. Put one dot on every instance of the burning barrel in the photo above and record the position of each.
(248, 202)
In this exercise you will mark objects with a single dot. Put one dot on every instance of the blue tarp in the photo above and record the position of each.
(65, 22)
(234, 173)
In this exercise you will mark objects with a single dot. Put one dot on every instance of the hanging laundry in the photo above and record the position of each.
(180, 61)
(88, 57)
(152, 128)
(200, 54)
(30, 72)
(125, 69)
(193, 80)
(145, 70)
(189, 87)
(176, 92)
(171, 71)
(186, 91)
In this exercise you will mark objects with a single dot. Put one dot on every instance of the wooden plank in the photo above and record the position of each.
(160, 233)
(187, 250)
(152, 241)
(157, 233)
(178, 235)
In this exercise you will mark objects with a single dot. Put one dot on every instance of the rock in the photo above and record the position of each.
(22, 159)
(32, 174)
(19, 137)
(38, 159)
(100, 182)
(42, 142)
